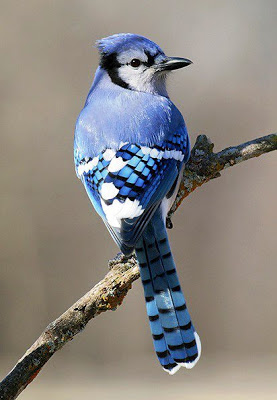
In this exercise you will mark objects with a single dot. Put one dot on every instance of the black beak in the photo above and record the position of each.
(171, 63)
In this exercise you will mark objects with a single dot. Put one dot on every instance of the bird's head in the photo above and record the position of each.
(136, 63)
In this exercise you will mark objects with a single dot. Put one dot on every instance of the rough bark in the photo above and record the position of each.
(123, 271)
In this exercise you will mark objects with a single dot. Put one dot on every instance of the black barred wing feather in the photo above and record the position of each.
(126, 186)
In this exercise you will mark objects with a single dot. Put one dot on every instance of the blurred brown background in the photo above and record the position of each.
(53, 245)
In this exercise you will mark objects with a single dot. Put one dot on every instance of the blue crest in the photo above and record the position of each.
(126, 41)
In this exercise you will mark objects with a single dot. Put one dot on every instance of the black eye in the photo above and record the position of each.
(135, 62)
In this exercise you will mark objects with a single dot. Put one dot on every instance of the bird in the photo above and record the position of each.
(130, 148)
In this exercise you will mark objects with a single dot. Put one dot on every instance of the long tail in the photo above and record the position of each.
(175, 339)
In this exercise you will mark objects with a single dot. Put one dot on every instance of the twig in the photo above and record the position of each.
(110, 292)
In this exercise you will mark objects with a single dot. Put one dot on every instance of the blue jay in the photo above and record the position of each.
(130, 147)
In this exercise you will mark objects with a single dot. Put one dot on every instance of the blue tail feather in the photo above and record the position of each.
(175, 340)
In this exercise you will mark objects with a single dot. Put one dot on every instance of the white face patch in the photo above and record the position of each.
(143, 78)
(140, 79)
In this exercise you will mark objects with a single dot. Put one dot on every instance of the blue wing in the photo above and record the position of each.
(128, 184)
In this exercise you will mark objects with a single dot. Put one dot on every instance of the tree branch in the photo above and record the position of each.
(110, 292)
(205, 165)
